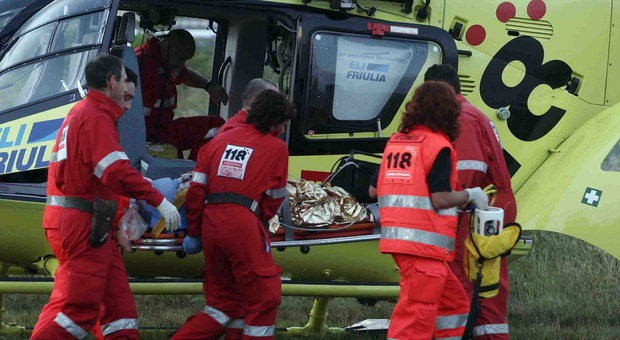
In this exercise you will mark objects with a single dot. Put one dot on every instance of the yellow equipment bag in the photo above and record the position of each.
(162, 150)
(481, 261)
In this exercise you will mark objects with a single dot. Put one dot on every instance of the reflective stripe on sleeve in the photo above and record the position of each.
(236, 324)
(451, 321)
(413, 202)
(500, 328)
(258, 331)
(55, 201)
(63, 321)
(54, 157)
(106, 161)
(472, 165)
(276, 193)
(199, 177)
(417, 236)
(218, 315)
(119, 325)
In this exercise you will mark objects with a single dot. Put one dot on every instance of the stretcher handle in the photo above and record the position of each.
(178, 202)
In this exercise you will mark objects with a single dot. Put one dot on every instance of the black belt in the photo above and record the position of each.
(231, 197)
(80, 204)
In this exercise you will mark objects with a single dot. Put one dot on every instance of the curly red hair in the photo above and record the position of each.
(435, 106)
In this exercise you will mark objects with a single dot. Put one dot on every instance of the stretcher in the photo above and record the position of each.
(334, 234)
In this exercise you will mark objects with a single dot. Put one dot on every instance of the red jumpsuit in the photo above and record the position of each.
(432, 303)
(159, 95)
(92, 163)
(242, 284)
(234, 121)
(480, 163)
(51, 219)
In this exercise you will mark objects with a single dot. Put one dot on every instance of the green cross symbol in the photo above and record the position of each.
(592, 197)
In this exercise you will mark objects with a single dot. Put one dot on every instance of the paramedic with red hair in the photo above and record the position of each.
(418, 204)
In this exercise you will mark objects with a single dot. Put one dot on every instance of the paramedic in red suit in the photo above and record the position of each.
(242, 284)
(51, 218)
(418, 204)
(251, 90)
(162, 68)
(480, 163)
(91, 163)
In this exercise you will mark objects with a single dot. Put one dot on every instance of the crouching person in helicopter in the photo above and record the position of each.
(418, 203)
(91, 171)
(239, 181)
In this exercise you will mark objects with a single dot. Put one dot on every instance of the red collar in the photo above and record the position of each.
(105, 103)
(460, 98)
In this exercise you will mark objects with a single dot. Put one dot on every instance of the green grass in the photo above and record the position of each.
(564, 289)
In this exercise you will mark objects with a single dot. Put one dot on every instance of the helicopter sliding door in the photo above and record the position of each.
(41, 76)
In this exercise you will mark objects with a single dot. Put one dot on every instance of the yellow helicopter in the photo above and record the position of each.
(349, 66)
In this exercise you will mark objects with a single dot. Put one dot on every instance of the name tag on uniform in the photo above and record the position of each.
(234, 161)
(62, 145)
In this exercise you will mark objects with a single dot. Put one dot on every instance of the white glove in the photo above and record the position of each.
(478, 198)
(170, 214)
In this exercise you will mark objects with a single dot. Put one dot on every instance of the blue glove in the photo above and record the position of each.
(192, 245)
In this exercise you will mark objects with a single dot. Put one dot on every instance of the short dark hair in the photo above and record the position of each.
(253, 89)
(101, 68)
(132, 77)
(445, 73)
(270, 108)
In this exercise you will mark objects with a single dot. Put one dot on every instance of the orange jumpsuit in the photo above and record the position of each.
(432, 303)
(242, 284)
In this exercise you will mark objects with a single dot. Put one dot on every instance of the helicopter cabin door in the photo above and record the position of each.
(353, 77)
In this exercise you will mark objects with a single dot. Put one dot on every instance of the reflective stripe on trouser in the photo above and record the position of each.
(217, 315)
(68, 325)
(451, 321)
(236, 324)
(501, 328)
(96, 276)
(432, 302)
(119, 325)
(258, 331)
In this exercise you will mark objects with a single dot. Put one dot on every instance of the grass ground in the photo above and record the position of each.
(565, 289)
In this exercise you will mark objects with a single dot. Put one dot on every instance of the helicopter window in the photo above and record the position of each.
(356, 80)
(31, 45)
(60, 9)
(79, 31)
(612, 161)
(43, 79)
